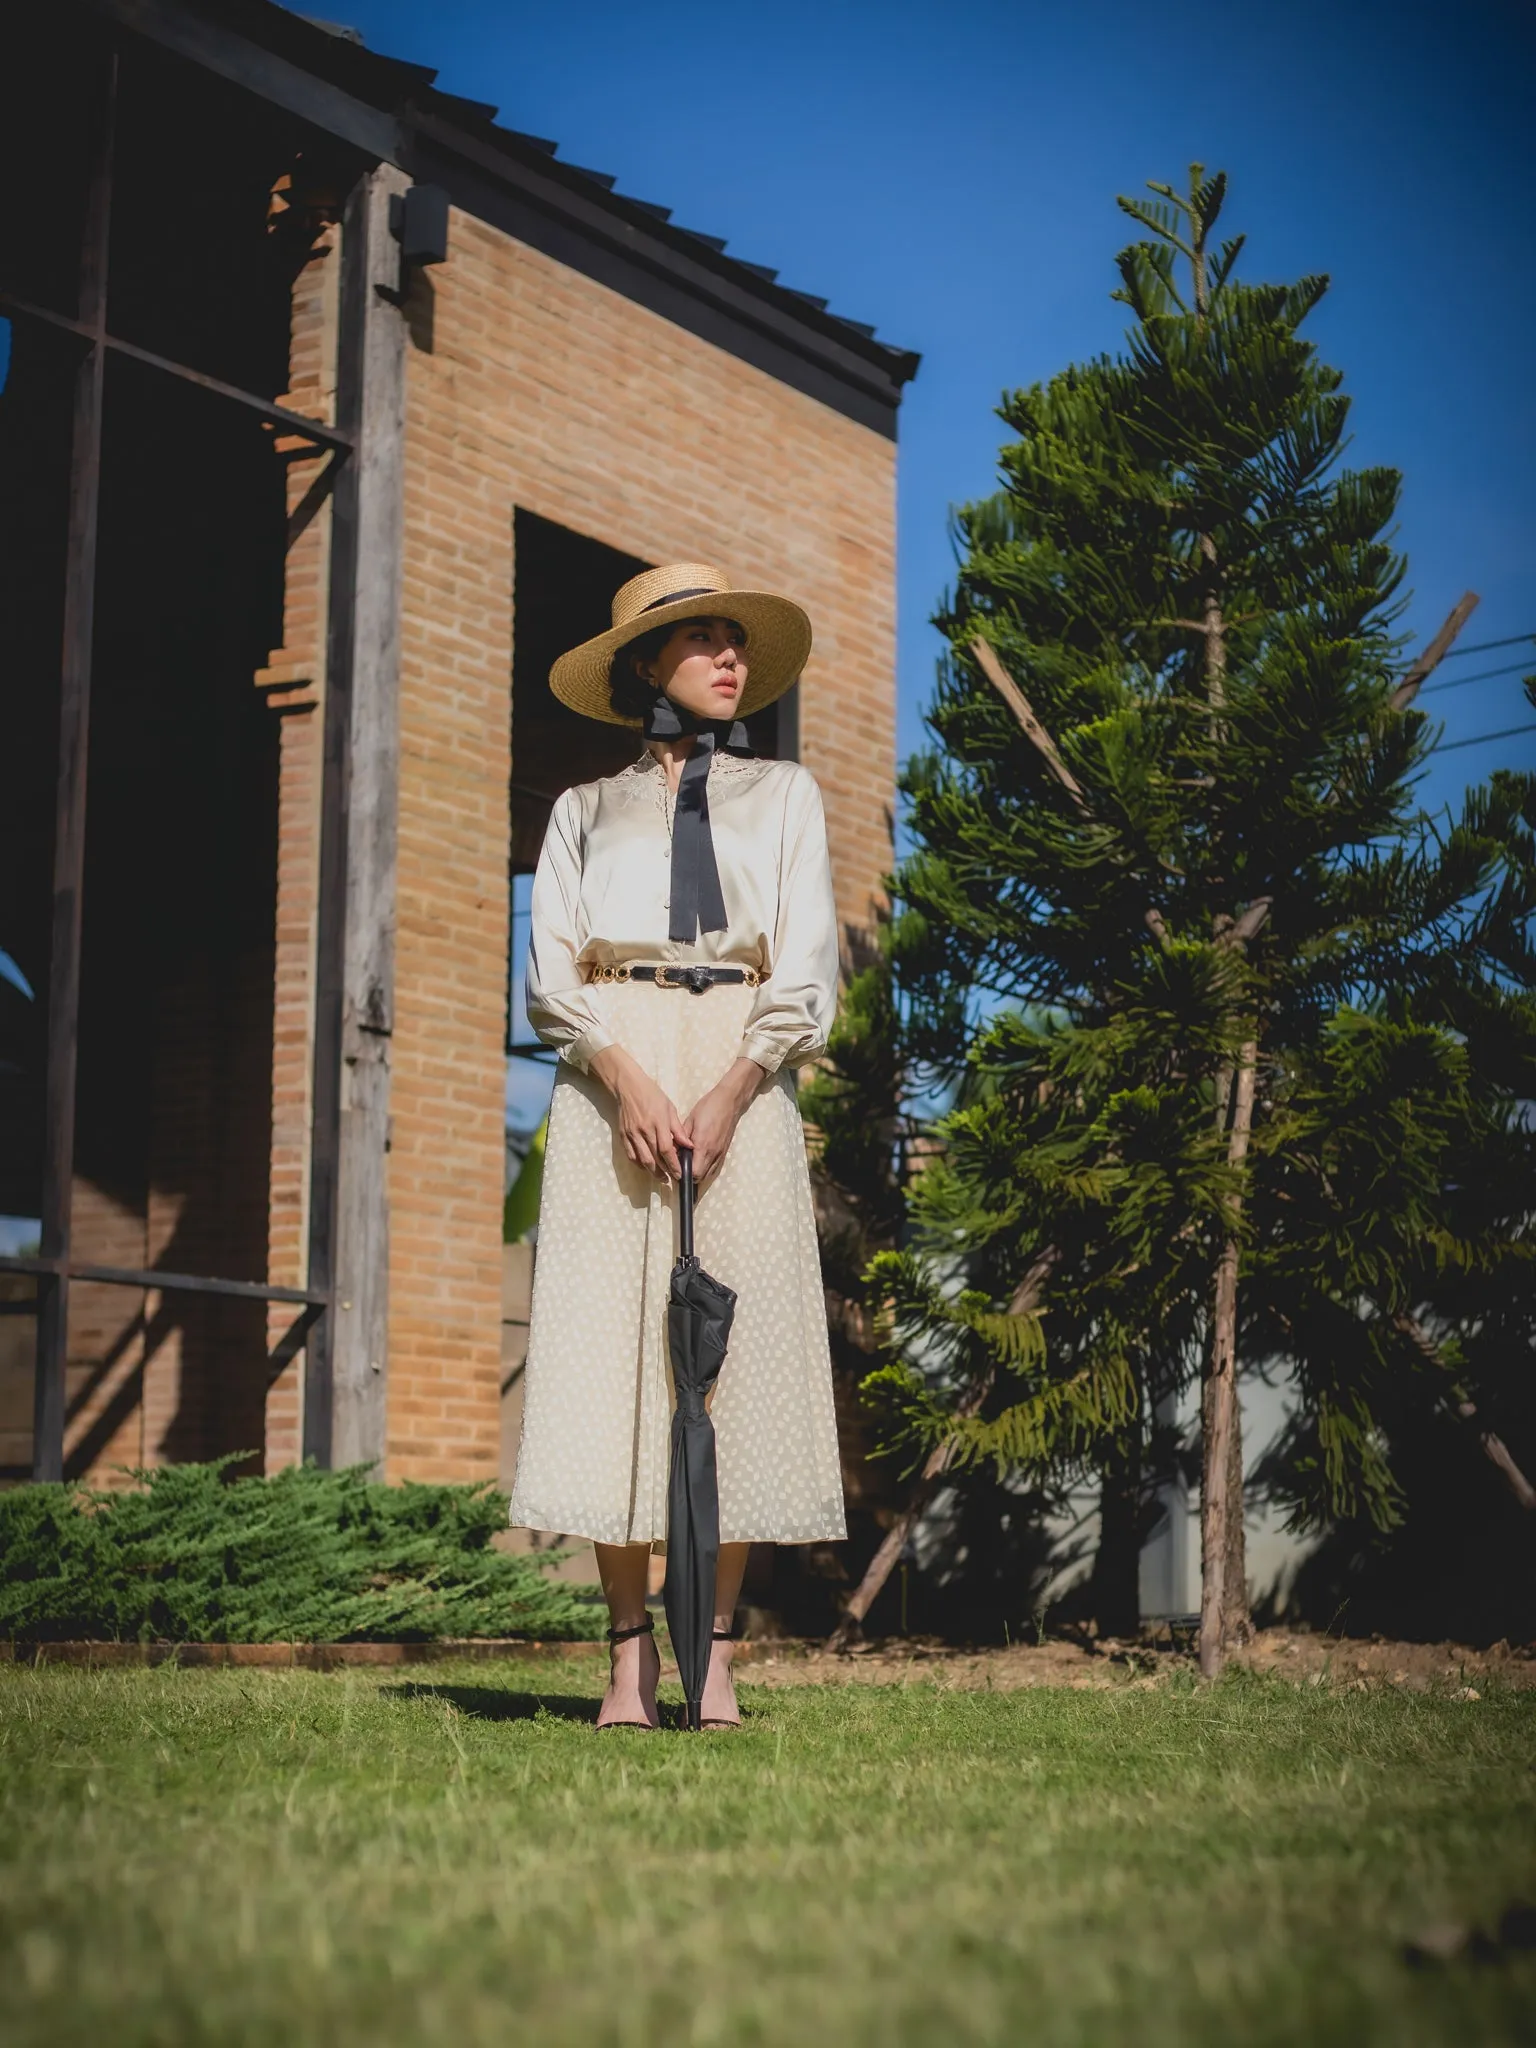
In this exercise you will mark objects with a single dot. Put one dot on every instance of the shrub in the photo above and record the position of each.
(191, 1555)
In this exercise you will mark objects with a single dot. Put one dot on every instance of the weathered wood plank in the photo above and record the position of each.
(346, 1379)
(360, 1368)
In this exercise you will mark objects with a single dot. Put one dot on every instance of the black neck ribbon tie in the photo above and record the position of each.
(698, 905)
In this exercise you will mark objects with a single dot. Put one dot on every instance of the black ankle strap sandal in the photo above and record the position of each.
(641, 1628)
(624, 1635)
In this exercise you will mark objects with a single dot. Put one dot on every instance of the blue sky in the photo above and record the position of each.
(949, 173)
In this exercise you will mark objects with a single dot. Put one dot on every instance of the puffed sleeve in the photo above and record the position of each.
(789, 1021)
(560, 1006)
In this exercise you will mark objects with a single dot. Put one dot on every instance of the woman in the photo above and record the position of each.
(683, 958)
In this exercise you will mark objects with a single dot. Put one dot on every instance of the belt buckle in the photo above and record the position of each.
(692, 975)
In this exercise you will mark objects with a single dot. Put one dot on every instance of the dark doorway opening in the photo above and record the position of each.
(563, 594)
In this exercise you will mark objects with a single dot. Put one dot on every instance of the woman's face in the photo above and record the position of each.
(703, 667)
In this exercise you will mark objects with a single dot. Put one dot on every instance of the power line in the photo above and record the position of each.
(1488, 646)
(1481, 739)
(1479, 647)
(1483, 675)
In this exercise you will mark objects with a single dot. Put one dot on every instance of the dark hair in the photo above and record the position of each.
(630, 693)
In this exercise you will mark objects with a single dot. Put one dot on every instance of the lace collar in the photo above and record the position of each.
(729, 766)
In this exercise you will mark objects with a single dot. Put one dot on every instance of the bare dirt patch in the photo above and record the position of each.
(1077, 1662)
(1303, 1658)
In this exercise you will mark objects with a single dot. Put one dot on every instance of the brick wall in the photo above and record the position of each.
(544, 389)
(108, 1337)
(530, 385)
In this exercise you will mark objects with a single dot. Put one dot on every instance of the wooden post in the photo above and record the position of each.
(69, 807)
(347, 1368)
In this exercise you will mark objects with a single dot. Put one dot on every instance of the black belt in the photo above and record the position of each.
(696, 977)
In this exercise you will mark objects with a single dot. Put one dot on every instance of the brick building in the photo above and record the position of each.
(334, 412)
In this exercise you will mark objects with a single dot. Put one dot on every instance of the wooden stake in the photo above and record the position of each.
(1025, 1297)
(1023, 711)
(1036, 734)
(1436, 651)
(1494, 1447)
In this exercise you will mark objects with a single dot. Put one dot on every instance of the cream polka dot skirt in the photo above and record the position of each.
(598, 1402)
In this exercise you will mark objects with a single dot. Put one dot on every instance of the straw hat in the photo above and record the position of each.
(778, 636)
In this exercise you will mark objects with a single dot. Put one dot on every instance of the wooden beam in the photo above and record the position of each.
(312, 434)
(361, 1322)
(153, 1281)
(347, 1358)
(231, 55)
(70, 793)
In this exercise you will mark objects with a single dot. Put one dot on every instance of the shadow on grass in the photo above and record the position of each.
(494, 1703)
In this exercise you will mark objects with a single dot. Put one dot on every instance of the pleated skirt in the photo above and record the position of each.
(597, 1409)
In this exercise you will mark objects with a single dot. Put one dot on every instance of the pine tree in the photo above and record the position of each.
(1211, 991)
(859, 1125)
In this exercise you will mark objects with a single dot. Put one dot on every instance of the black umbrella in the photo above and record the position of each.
(699, 1314)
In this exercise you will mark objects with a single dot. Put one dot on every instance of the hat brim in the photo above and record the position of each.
(778, 647)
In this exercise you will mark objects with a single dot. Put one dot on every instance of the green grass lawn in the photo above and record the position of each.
(455, 1856)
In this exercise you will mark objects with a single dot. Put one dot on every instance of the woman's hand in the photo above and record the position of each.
(711, 1123)
(649, 1123)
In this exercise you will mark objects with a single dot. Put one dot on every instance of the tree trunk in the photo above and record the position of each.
(1223, 1588)
(1237, 1619)
(1116, 1583)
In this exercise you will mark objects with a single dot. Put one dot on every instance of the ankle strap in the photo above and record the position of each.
(641, 1628)
(721, 1635)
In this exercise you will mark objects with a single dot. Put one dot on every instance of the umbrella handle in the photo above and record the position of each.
(685, 1202)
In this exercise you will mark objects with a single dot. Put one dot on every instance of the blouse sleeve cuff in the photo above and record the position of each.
(583, 1050)
(764, 1048)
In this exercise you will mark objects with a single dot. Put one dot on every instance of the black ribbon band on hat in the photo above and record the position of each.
(698, 904)
(676, 597)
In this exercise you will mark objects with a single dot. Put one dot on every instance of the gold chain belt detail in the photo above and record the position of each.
(670, 973)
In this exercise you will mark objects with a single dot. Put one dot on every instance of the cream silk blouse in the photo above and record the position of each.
(600, 898)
